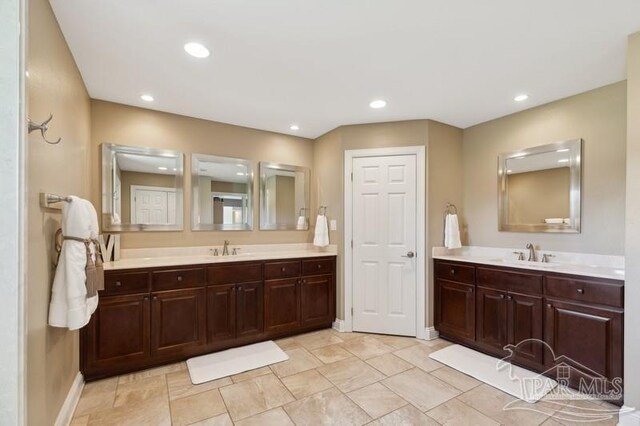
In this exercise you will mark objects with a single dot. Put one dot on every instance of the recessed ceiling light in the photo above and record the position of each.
(563, 160)
(175, 169)
(241, 174)
(521, 98)
(146, 97)
(240, 165)
(378, 103)
(563, 150)
(294, 127)
(162, 168)
(196, 50)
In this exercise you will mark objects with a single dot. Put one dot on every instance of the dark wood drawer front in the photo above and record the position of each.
(600, 292)
(317, 267)
(177, 279)
(275, 270)
(126, 282)
(233, 274)
(455, 272)
(508, 280)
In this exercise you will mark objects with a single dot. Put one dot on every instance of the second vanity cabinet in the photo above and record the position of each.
(153, 316)
(489, 308)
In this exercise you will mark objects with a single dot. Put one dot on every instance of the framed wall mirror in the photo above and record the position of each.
(539, 189)
(222, 189)
(142, 189)
(284, 197)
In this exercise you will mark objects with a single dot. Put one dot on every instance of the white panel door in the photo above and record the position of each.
(384, 244)
(150, 207)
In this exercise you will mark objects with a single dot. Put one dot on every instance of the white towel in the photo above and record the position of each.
(302, 223)
(70, 307)
(452, 232)
(321, 236)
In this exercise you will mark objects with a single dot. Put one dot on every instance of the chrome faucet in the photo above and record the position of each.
(225, 249)
(532, 252)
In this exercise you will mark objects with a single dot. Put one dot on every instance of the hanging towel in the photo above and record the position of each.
(452, 232)
(321, 236)
(302, 223)
(71, 306)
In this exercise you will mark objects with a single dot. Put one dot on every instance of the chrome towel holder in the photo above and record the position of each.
(43, 129)
(322, 210)
(47, 200)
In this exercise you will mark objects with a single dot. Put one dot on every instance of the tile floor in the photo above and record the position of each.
(331, 378)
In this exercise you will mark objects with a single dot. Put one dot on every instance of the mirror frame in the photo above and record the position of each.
(575, 163)
(107, 152)
(307, 186)
(195, 167)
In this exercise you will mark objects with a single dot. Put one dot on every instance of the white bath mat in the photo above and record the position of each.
(233, 361)
(524, 384)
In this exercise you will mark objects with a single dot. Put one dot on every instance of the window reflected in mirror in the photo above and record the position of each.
(284, 197)
(222, 189)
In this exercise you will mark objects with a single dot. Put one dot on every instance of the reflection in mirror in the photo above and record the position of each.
(141, 189)
(222, 189)
(540, 188)
(284, 197)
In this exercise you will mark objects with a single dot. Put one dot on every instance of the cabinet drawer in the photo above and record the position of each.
(126, 282)
(455, 272)
(317, 267)
(233, 274)
(509, 280)
(275, 270)
(600, 292)
(177, 279)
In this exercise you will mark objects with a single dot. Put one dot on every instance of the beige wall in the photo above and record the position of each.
(443, 156)
(597, 116)
(126, 125)
(632, 249)
(136, 178)
(538, 195)
(54, 85)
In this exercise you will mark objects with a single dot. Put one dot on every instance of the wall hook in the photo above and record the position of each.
(43, 129)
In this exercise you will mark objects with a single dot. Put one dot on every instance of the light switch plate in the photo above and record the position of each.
(333, 225)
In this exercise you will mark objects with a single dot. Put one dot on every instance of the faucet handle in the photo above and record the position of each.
(546, 257)
(214, 251)
(235, 251)
(520, 255)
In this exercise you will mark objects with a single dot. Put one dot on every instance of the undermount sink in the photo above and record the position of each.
(513, 262)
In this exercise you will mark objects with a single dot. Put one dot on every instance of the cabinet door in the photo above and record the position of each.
(282, 305)
(491, 326)
(178, 320)
(585, 334)
(249, 309)
(455, 309)
(118, 332)
(221, 313)
(525, 322)
(317, 301)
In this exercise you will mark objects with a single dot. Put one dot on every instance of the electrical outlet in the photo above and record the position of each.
(333, 225)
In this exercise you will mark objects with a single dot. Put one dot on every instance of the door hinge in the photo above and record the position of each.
(352, 311)
(351, 243)
(351, 176)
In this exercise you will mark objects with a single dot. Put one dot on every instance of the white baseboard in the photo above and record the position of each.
(431, 333)
(629, 416)
(66, 411)
(338, 325)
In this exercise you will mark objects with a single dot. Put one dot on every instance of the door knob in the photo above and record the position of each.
(409, 254)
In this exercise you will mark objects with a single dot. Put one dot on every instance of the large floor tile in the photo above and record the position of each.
(332, 353)
(367, 347)
(306, 383)
(389, 364)
(275, 417)
(376, 400)
(251, 374)
(329, 407)
(139, 390)
(195, 408)
(80, 421)
(152, 372)
(397, 342)
(179, 384)
(254, 396)
(347, 335)
(299, 360)
(219, 420)
(150, 412)
(456, 413)
(288, 343)
(405, 416)
(97, 396)
(350, 374)
(318, 339)
(455, 378)
(421, 389)
(418, 355)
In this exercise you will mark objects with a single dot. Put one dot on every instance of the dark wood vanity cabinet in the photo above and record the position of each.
(153, 316)
(508, 312)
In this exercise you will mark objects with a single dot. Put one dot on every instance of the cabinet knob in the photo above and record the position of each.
(549, 305)
(581, 290)
(502, 296)
(179, 277)
(239, 287)
(509, 297)
(283, 269)
(304, 281)
(146, 298)
(471, 290)
(452, 271)
(319, 266)
(155, 297)
(118, 283)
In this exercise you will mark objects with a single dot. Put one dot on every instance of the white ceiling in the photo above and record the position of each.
(318, 63)
(147, 164)
(223, 171)
(535, 162)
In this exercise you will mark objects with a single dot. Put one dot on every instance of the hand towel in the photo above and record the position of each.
(70, 305)
(452, 232)
(321, 236)
(302, 223)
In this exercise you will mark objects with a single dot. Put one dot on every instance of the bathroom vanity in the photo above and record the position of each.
(579, 317)
(149, 314)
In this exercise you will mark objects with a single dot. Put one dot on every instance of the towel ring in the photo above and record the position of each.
(451, 209)
(302, 209)
(322, 210)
